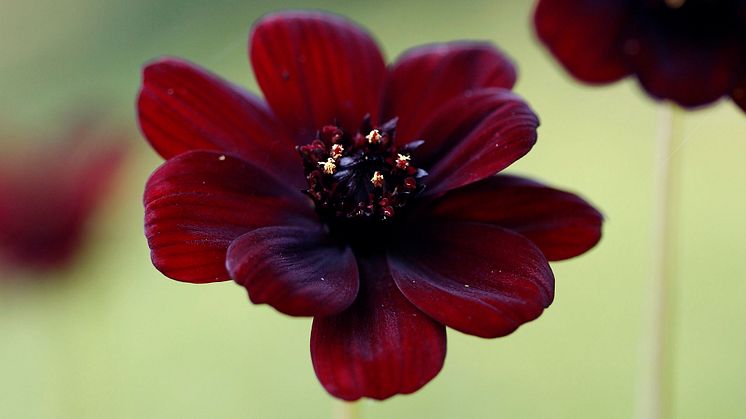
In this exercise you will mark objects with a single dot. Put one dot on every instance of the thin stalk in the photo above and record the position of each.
(657, 390)
(346, 410)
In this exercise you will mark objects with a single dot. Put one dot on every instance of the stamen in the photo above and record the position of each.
(402, 161)
(337, 151)
(329, 166)
(339, 166)
(374, 137)
(377, 179)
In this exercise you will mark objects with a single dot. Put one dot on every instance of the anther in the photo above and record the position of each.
(337, 151)
(329, 166)
(374, 137)
(377, 179)
(402, 161)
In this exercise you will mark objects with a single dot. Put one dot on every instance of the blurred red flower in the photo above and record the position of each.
(383, 238)
(50, 190)
(692, 52)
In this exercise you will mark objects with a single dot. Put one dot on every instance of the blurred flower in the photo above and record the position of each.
(692, 52)
(49, 194)
(383, 238)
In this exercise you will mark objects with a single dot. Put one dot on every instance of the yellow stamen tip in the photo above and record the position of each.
(377, 179)
(329, 166)
(374, 137)
(337, 151)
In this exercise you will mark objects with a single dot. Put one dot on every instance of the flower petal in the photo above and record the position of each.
(183, 107)
(298, 271)
(501, 138)
(586, 36)
(426, 77)
(315, 69)
(480, 279)
(560, 223)
(198, 202)
(381, 346)
(690, 73)
(449, 124)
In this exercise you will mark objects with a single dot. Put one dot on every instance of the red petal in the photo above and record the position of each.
(298, 271)
(476, 278)
(447, 126)
(587, 37)
(315, 69)
(426, 77)
(183, 107)
(688, 73)
(197, 203)
(381, 346)
(561, 224)
(501, 138)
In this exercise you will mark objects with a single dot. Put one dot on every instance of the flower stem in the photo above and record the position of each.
(346, 410)
(656, 400)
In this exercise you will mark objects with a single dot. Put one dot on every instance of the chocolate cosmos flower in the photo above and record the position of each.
(358, 194)
(692, 52)
(49, 195)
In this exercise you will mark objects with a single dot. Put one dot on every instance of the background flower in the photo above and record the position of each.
(690, 52)
(50, 192)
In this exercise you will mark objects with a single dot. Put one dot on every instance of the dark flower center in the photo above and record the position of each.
(360, 178)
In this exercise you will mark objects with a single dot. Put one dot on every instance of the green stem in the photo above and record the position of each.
(656, 398)
(346, 410)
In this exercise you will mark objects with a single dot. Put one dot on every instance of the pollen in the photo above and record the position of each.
(402, 161)
(374, 137)
(329, 166)
(377, 179)
(337, 151)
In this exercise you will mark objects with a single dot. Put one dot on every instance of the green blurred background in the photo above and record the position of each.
(110, 337)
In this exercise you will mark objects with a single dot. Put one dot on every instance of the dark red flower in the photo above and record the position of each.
(359, 194)
(692, 52)
(49, 194)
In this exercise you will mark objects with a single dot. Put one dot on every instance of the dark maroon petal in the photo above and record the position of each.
(183, 107)
(688, 72)
(739, 95)
(501, 138)
(480, 279)
(426, 77)
(315, 69)
(298, 271)
(198, 202)
(586, 36)
(381, 346)
(560, 223)
(448, 125)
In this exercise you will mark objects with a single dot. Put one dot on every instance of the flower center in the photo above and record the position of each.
(361, 176)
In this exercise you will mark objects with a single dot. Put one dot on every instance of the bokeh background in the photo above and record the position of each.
(109, 336)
